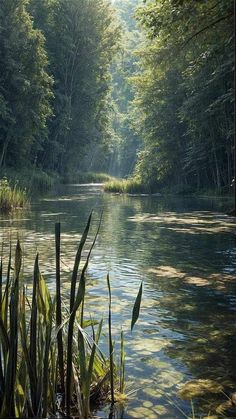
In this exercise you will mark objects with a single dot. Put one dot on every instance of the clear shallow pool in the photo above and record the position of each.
(184, 250)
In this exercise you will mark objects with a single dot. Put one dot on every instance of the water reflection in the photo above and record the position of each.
(184, 250)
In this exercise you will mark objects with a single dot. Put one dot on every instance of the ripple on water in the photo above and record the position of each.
(185, 254)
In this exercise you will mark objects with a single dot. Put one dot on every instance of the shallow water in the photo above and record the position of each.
(184, 250)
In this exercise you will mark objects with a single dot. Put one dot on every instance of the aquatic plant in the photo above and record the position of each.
(131, 185)
(42, 181)
(50, 363)
(11, 197)
(31, 178)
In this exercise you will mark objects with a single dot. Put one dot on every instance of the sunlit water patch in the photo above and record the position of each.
(184, 251)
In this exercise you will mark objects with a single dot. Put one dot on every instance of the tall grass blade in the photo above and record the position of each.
(122, 362)
(1, 282)
(4, 337)
(82, 359)
(4, 348)
(77, 301)
(1, 370)
(99, 331)
(6, 292)
(33, 337)
(13, 338)
(78, 393)
(74, 305)
(53, 393)
(77, 262)
(68, 388)
(110, 342)
(86, 265)
(136, 307)
(89, 378)
(58, 307)
(47, 311)
(30, 371)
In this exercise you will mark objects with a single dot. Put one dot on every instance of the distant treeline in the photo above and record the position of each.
(184, 93)
(55, 60)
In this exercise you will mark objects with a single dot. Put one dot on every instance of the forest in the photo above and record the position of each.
(132, 88)
(117, 209)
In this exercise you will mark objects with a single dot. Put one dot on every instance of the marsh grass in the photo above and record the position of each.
(132, 186)
(87, 177)
(12, 197)
(33, 179)
(50, 360)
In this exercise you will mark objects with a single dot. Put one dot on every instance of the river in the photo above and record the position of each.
(184, 251)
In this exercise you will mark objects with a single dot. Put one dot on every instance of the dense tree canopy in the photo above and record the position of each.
(142, 87)
(73, 41)
(81, 42)
(25, 86)
(125, 141)
(185, 93)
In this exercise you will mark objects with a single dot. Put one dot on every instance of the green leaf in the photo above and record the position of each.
(136, 308)
(18, 259)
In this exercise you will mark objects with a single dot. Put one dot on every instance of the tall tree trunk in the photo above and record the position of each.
(4, 149)
(217, 167)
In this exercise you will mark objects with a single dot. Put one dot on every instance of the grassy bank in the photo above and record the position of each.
(51, 364)
(12, 197)
(135, 186)
(131, 186)
(86, 177)
(32, 179)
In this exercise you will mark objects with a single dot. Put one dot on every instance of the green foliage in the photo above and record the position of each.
(122, 363)
(81, 39)
(86, 177)
(125, 140)
(31, 178)
(132, 186)
(184, 93)
(136, 308)
(12, 197)
(25, 86)
(111, 346)
(50, 364)
(59, 122)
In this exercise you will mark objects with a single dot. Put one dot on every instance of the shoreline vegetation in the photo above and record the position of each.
(16, 188)
(135, 186)
(134, 105)
(51, 363)
(34, 179)
(12, 197)
(87, 177)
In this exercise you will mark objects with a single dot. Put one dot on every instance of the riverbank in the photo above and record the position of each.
(12, 196)
(32, 179)
(135, 186)
(131, 186)
(37, 181)
(87, 177)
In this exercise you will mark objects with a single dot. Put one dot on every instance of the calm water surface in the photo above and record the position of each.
(184, 250)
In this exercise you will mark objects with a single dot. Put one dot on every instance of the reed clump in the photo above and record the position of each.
(12, 197)
(50, 360)
(86, 177)
(131, 186)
